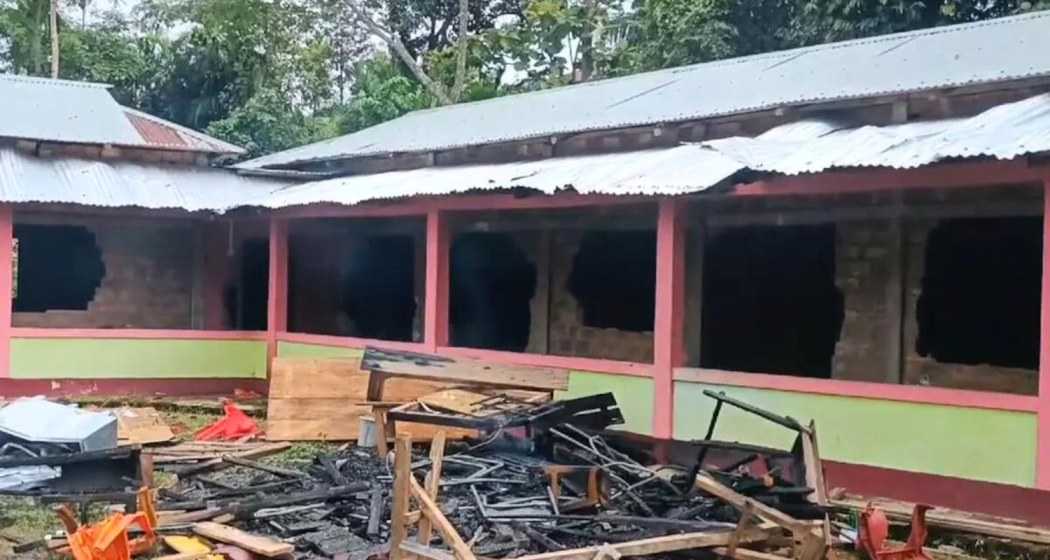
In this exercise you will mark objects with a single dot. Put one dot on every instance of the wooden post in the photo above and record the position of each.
(277, 300)
(7, 255)
(435, 314)
(402, 490)
(433, 483)
(1042, 475)
(668, 349)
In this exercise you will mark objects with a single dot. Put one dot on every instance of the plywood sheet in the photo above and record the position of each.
(324, 430)
(141, 426)
(339, 378)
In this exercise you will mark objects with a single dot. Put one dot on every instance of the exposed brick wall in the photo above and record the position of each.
(879, 269)
(867, 272)
(925, 370)
(568, 336)
(149, 279)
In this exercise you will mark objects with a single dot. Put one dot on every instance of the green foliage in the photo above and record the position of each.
(266, 123)
(381, 92)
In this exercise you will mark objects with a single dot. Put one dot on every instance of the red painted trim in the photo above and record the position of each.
(1042, 470)
(277, 295)
(422, 205)
(861, 389)
(209, 387)
(6, 285)
(1005, 500)
(348, 342)
(668, 343)
(611, 367)
(949, 175)
(435, 300)
(147, 334)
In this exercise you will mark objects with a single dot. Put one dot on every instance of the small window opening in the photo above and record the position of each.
(980, 295)
(59, 267)
(380, 288)
(614, 279)
(346, 281)
(770, 304)
(493, 284)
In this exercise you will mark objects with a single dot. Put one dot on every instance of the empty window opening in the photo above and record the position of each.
(614, 279)
(770, 304)
(59, 267)
(980, 295)
(247, 298)
(347, 282)
(492, 285)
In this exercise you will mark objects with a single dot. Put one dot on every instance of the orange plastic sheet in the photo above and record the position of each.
(234, 425)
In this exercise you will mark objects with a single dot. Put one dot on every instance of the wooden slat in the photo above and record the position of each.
(463, 371)
(656, 545)
(437, 457)
(402, 490)
(339, 378)
(337, 411)
(258, 544)
(441, 523)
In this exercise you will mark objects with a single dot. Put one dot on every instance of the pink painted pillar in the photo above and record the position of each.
(1042, 472)
(668, 349)
(435, 310)
(277, 300)
(6, 284)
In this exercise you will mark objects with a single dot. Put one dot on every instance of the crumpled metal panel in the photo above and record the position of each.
(27, 178)
(62, 111)
(952, 56)
(808, 146)
(41, 421)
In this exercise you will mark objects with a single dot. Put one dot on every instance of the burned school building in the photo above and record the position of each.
(851, 233)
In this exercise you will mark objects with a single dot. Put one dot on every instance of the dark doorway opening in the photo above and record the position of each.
(770, 304)
(981, 290)
(492, 283)
(59, 267)
(247, 302)
(614, 279)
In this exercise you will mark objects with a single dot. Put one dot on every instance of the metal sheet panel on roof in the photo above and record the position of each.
(62, 111)
(27, 178)
(984, 52)
(809, 146)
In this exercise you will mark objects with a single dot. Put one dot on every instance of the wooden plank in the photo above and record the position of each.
(402, 490)
(460, 401)
(655, 545)
(814, 467)
(744, 504)
(422, 551)
(462, 371)
(338, 378)
(325, 430)
(336, 410)
(433, 483)
(746, 554)
(952, 520)
(140, 426)
(258, 544)
(430, 509)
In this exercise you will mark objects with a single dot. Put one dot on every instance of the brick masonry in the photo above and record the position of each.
(149, 281)
(568, 336)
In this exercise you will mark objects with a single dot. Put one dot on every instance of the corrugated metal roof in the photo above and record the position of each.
(166, 134)
(85, 113)
(809, 146)
(27, 178)
(62, 111)
(990, 51)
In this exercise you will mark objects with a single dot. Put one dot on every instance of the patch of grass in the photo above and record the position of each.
(301, 453)
(23, 520)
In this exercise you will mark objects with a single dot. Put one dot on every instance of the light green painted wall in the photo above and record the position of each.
(297, 350)
(978, 444)
(83, 358)
(633, 394)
